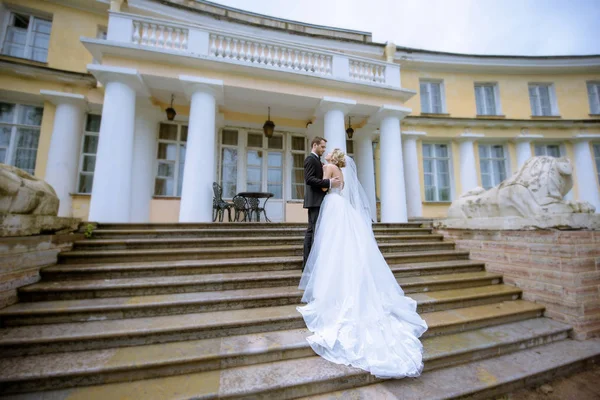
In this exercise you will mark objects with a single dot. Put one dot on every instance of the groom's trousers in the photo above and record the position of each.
(313, 215)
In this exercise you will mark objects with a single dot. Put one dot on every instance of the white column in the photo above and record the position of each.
(111, 193)
(468, 170)
(523, 152)
(393, 191)
(143, 169)
(587, 181)
(411, 174)
(364, 163)
(334, 112)
(199, 170)
(65, 146)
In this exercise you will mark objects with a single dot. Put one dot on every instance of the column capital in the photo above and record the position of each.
(127, 76)
(469, 137)
(58, 98)
(585, 137)
(334, 103)
(413, 135)
(193, 84)
(389, 111)
(527, 137)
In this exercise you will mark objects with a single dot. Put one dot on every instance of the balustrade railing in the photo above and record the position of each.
(365, 71)
(255, 52)
(159, 35)
(250, 50)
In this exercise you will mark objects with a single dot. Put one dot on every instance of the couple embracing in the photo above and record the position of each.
(356, 311)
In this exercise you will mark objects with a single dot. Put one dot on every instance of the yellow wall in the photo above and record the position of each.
(571, 92)
(294, 212)
(66, 51)
(81, 206)
(164, 210)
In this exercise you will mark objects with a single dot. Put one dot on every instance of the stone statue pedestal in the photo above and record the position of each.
(27, 225)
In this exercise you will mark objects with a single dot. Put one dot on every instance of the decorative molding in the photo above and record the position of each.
(500, 123)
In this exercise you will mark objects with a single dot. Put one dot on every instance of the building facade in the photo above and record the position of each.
(84, 86)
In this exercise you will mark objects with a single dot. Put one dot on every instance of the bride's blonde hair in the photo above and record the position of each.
(338, 157)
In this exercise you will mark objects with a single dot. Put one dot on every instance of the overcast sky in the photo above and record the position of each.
(508, 27)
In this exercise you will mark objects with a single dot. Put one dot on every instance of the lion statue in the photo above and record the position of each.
(22, 193)
(536, 189)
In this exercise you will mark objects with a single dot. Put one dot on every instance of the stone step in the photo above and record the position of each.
(486, 379)
(232, 225)
(233, 232)
(61, 370)
(123, 298)
(412, 263)
(210, 253)
(67, 337)
(168, 243)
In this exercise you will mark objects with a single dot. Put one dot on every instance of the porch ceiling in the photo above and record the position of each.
(252, 101)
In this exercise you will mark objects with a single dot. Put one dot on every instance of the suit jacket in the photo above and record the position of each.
(314, 182)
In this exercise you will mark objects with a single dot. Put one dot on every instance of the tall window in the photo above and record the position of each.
(550, 150)
(432, 97)
(172, 139)
(19, 135)
(492, 163)
(298, 155)
(485, 97)
(275, 166)
(229, 160)
(254, 157)
(350, 147)
(540, 98)
(436, 168)
(597, 157)
(27, 36)
(89, 148)
(594, 96)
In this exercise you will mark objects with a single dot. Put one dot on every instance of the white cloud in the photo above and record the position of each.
(526, 27)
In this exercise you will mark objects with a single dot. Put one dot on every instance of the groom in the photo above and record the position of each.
(313, 193)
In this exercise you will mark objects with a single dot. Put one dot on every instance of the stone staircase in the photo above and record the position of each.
(208, 311)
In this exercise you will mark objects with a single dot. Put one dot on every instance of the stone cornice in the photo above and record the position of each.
(29, 70)
(500, 123)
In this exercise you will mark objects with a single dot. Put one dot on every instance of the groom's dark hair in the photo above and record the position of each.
(317, 140)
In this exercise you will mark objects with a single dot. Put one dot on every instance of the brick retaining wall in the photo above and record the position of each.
(559, 269)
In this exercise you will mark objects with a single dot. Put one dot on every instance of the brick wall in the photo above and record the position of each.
(559, 269)
(22, 257)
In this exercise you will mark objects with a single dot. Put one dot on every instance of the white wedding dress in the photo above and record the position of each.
(356, 311)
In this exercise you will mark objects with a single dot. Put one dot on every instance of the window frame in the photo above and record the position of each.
(496, 93)
(435, 173)
(235, 147)
(442, 96)
(561, 148)
(82, 154)
(11, 150)
(33, 15)
(178, 142)
(492, 159)
(593, 86)
(552, 99)
(293, 152)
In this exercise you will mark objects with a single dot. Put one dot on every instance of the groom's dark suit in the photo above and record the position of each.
(313, 197)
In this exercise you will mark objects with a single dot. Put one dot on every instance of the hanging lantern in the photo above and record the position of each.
(269, 126)
(350, 131)
(171, 113)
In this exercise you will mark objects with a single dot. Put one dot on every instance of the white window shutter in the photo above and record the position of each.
(436, 97)
(490, 101)
(479, 100)
(594, 96)
(425, 100)
(533, 99)
(546, 105)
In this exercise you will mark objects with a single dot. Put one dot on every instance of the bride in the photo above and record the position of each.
(356, 311)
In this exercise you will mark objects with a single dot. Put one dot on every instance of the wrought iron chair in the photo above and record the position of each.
(255, 208)
(240, 206)
(220, 205)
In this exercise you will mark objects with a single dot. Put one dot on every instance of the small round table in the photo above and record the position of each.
(258, 195)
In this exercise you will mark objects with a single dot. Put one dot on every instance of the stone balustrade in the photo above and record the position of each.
(188, 39)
